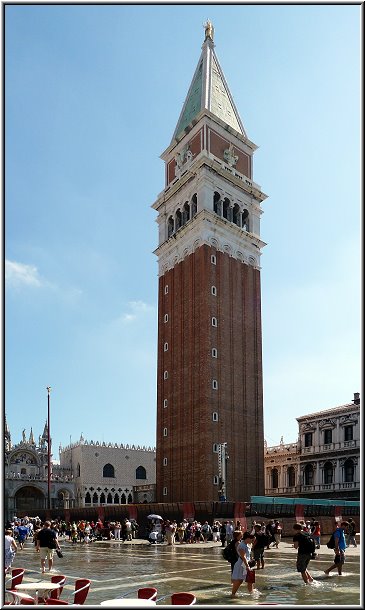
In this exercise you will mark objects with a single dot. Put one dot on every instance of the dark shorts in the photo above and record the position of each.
(340, 559)
(258, 553)
(303, 560)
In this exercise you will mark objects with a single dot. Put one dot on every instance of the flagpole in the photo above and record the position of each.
(49, 451)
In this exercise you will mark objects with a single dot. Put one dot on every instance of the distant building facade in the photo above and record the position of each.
(324, 462)
(106, 473)
(26, 476)
(88, 474)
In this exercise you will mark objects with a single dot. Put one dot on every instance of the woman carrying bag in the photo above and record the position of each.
(241, 569)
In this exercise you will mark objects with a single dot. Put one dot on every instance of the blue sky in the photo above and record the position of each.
(93, 94)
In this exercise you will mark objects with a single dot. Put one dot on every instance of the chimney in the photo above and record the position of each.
(356, 400)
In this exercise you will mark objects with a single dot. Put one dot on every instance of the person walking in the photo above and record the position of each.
(270, 532)
(47, 542)
(229, 532)
(302, 542)
(316, 533)
(117, 529)
(215, 531)
(340, 548)
(277, 533)
(22, 535)
(241, 568)
(259, 545)
(351, 536)
(206, 531)
(222, 533)
(10, 549)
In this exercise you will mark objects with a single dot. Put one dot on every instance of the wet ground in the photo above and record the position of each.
(115, 568)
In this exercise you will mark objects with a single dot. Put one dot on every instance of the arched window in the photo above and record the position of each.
(348, 471)
(327, 473)
(226, 211)
(95, 498)
(274, 478)
(78, 470)
(245, 223)
(130, 499)
(291, 476)
(141, 473)
(186, 212)
(194, 205)
(116, 499)
(178, 221)
(87, 498)
(102, 498)
(170, 226)
(308, 475)
(110, 499)
(108, 471)
(236, 215)
(123, 499)
(217, 204)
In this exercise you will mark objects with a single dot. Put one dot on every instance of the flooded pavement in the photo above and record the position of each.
(115, 568)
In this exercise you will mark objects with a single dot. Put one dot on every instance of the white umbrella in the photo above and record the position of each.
(154, 517)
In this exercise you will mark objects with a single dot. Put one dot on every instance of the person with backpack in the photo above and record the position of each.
(306, 547)
(339, 548)
(206, 531)
(259, 545)
(230, 551)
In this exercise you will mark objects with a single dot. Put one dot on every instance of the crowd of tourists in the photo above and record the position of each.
(244, 550)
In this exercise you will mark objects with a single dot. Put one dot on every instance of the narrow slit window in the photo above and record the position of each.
(213, 259)
(165, 461)
(214, 322)
(214, 352)
(166, 375)
(165, 403)
(215, 384)
(165, 431)
(166, 289)
(166, 347)
(215, 480)
(165, 491)
(166, 317)
(215, 416)
(214, 291)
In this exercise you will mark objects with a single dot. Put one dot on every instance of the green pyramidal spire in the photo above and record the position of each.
(209, 90)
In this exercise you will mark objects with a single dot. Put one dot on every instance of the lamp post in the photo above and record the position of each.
(222, 471)
(49, 451)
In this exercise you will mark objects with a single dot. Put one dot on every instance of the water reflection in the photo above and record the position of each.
(115, 568)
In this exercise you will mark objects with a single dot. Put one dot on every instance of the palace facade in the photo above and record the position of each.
(325, 460)
(106, 473)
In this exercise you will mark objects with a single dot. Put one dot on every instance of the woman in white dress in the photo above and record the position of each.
(241, 567)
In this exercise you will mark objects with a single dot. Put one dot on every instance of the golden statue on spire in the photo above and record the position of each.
(209, 29)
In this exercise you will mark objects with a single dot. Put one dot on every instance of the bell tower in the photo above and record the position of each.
(209, 373)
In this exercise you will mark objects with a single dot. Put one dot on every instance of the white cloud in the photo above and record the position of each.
(138, 309)
(19, 274)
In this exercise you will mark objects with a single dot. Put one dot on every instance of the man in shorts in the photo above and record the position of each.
(340, 547)
(302, 543)
(47, 542)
